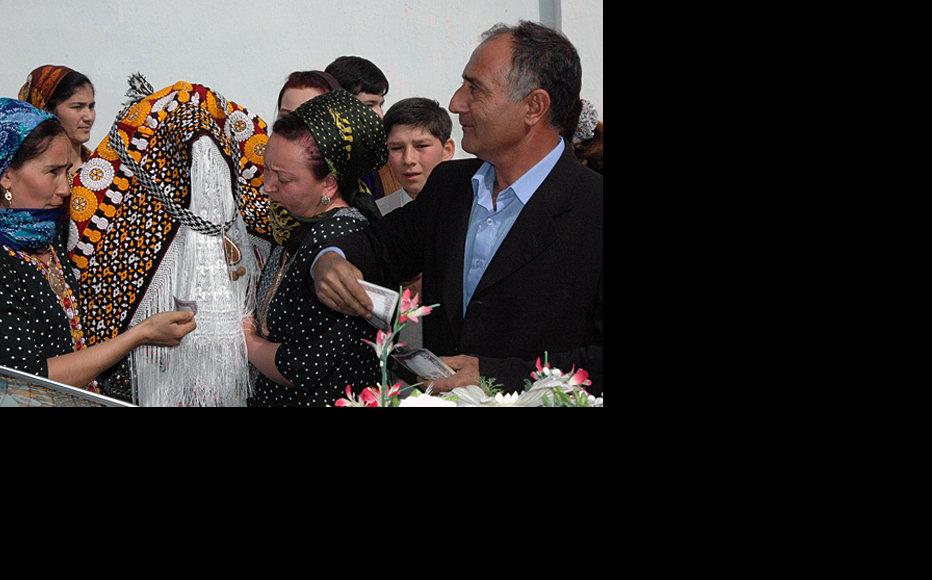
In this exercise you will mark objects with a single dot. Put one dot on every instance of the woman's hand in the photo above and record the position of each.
(81, 367)
(250, 329)
(166, 328)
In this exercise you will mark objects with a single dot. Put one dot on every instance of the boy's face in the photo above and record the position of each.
(372, 101)
(413, 152)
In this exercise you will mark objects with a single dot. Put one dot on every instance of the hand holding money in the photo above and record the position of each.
(384, 302)
(467, 373)
(185, 305)
(336, 283)
(424, 364)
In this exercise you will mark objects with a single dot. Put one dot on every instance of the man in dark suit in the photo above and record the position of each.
(511, 243)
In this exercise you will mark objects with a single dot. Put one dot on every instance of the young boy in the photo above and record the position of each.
(361, 77)
(418, 137)
(418, 133)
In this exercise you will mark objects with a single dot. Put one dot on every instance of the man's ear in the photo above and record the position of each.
(538, 107)
(449, 149)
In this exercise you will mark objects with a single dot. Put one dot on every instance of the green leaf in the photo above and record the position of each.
(490, 386)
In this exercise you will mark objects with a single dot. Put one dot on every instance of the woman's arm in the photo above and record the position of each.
(81, 367)
(262, 353)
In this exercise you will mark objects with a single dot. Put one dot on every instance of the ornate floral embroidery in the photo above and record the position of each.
(96, 174)
(255, 148)
(121, 243)
(83, 204)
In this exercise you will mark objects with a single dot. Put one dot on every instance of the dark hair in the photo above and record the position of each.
(544, 59)
(308, 79)
(419, 112)
(292, 128)
(66, 89)
(571, 122)
(37, 142)
(358, 75)
(589, 152)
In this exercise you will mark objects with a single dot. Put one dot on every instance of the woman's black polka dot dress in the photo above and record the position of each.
(33, 325)
(321, 350)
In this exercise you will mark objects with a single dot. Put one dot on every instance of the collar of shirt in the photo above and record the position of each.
(484, 179)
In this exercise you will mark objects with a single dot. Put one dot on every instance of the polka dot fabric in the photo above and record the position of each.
(321, 350)
(351, 138)
(33, 324)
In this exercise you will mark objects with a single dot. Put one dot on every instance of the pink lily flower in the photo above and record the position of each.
(370, 397)
(580, 377)
(382, 345)
(406, 302)
(411, 309)
(542, 371)
(349, 400)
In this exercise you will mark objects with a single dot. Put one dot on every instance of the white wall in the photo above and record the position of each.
(582, 24)
(244, 49)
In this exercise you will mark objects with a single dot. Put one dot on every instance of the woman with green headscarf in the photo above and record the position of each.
(306, 354)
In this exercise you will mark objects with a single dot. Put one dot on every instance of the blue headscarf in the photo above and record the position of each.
(17, 121)
(23, 229)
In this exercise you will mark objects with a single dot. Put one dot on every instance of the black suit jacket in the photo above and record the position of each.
(542, 291)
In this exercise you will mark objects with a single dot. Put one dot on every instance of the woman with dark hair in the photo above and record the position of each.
(40, 323)
(69, 95)
(307, 354)
(587, 137)
(302, 86)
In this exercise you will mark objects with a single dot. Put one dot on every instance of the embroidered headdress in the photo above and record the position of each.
(131, 197)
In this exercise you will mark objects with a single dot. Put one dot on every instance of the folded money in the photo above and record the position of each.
(384, 302)
(185, 305)
(424, 364)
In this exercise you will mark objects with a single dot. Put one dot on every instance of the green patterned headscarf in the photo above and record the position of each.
(351, 139)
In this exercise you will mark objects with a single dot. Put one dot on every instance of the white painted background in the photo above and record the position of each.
(245, 49)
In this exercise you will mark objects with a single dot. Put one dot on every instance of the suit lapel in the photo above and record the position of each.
(534, 230)
(457, 226)
(531, 234)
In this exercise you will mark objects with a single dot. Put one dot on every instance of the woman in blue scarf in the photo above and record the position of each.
(40, 322)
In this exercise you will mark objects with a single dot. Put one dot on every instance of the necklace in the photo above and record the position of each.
(56, 276)
(273, 289)
(52, 272)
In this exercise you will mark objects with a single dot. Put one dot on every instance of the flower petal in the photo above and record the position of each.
(580, 378)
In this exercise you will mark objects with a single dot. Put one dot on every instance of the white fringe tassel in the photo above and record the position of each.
(211, 367)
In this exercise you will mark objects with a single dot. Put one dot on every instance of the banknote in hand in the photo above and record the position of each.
(384, 302)
(424, 364)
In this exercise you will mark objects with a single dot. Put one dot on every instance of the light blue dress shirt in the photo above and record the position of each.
(489, 224)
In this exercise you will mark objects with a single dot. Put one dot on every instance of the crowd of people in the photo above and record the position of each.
(195, 228)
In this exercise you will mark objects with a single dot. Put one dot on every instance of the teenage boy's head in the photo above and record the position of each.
(363, 79)
(418, 133)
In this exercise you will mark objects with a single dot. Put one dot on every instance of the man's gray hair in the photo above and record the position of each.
(543, 59)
